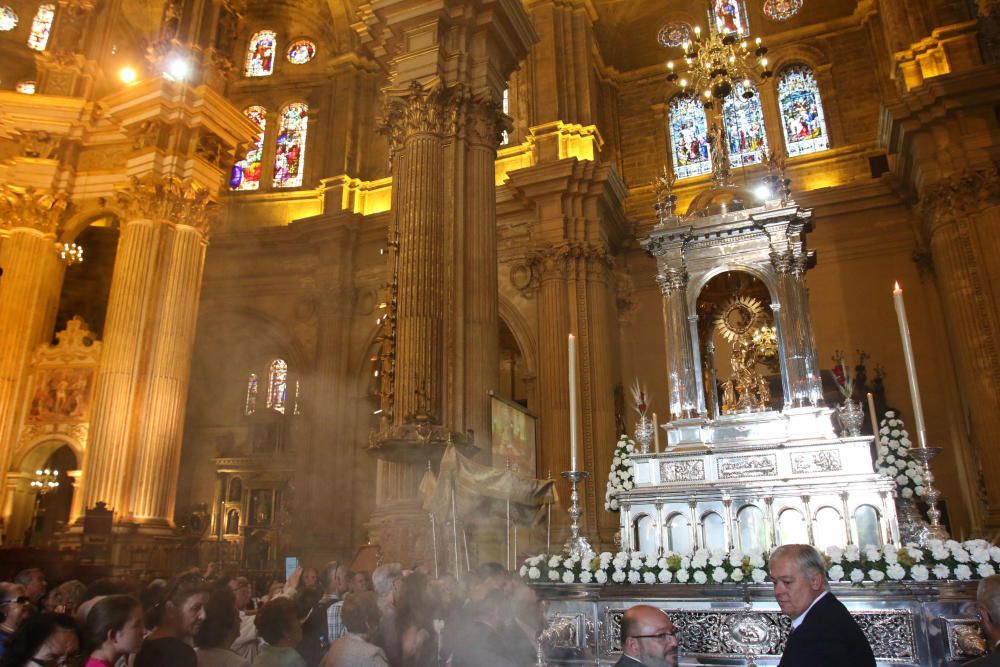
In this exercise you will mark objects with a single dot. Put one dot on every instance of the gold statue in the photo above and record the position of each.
(744, 324)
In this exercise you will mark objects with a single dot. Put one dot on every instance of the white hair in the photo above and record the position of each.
(385, 576)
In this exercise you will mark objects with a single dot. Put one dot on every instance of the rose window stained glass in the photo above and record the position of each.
(246, 172)
(41, 27)
(289, 154)
(744, 127)
(730, 16)
(801, 109)
(781, 10)
(25, 87)
(674, 34)
(301, 51)
(8, 19)
(260, 54)
(277, 385)
(689, 137)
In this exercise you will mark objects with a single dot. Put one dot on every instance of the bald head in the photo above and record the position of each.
(647, 635)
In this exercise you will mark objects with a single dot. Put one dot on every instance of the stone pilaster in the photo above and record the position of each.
(29, 294)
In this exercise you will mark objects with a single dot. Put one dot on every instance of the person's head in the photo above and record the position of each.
(647, 635)
(181, 609)
(310, 578)
(277, 623)
(360, 613)
(13, 604)
(334, 579)
(65, 598)
(222, 621)
(242, 591)
(385, 580)
(46, 639)
(988, 605)
(357, 582)
(414, 604)
(33, 580)
(799, 575)
(486, 578)
(114, 626)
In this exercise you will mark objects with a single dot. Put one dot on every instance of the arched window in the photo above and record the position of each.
(290, 149)
(260, 54)
(713, 531)
(689, 137)
(8, 19)
(246, 172)
(866, 518)
(678, 534)
(233, 522)
(828, 528)
(802, 117)
(644, 533)
(792, 527)
(730, 16)
(277, 385)
(752, 529)
(250, 403)
(41, 26)
(744, 126)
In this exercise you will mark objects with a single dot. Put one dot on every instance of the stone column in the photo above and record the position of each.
(29, 295)
(553, 362)
(140, 390)
(680, 357)
(795, 333)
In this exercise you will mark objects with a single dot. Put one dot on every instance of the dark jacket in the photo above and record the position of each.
(629, 661)
(828, 637)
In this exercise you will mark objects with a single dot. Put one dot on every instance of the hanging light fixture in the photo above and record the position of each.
(718, 62)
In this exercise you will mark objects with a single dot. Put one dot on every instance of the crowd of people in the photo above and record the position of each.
(326, 617)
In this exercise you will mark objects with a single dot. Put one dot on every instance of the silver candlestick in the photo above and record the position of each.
(577, 545)
(924, 455)
(645, 429)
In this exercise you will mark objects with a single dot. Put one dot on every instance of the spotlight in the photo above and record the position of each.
(178, 69)
(128, 75)
(762, 192)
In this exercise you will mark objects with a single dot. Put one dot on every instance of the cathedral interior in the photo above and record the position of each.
(264, 261)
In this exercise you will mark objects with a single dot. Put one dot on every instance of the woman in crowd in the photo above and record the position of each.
(177, 617)
(114, 628)
(45, 640)
(13, 604)
(65, 598)
(279, 627)
(219, 631)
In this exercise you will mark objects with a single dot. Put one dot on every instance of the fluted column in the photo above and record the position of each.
(29, 294)
(680, 357)
(796, 337)
(553, 368)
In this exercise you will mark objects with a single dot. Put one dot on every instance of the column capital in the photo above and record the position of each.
(960, 196)
(168, 199)
(28, 207)
(672, 280)
(555, 260)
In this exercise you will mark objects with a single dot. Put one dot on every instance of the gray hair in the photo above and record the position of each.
(385, 576)
(806, 557)
(988, 595)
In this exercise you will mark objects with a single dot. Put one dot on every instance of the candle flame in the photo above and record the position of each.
(898, 288)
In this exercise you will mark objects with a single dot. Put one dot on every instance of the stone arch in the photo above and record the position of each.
(32, 455)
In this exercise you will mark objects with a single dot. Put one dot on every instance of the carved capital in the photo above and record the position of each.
(486, 124)
(672, 280)
(558, 260)
(960, 196)
(782, 261)
(31, 208)
(168, 198)
(418, 110)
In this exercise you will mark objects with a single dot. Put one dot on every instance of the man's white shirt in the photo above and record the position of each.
(801, 617)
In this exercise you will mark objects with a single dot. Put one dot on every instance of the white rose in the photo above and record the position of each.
(962, 572)
(569, 562)
(889, 414)
(894, 433)
(890, 459)
(699, 561)
(995, 554)
(907, 492)
(633, 577)
(635, 563)
(534, 573)
(757, 562)
(649, 578)
(911, 473)
(835, 553)
(523, 572)
(554, 575)
(902, 480)
(872, 554)
(876, 575)
(586, 577)
(627, 485)
(736, 559)
(919, 490)
(857, 575)
(618, 576)
(651, 560)
(758, 575)
(852, 553)
(985, 570)
(980, 555)
(717, 559)
(896, 571)
(883, 451)
(891, 471)
(682, 576)
(890, 556)
(905, 442)
(554, 561)
(941, 571)
(736, 575)
(914, 553)
(665, 576)
(568, 577)
(836, 573)
(884, 430)
(614, 504)
(601, 576)
(960, 555)
(685, 562)
(719, 574)
(919, 573)
(700, 577)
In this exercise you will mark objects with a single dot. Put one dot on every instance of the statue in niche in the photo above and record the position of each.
(743, 322)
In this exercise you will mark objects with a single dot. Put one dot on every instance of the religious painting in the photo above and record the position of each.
(289, 154)
(301, 51)
(730, 16)
(260, 54)
(689, 137)
(513, 436)
(41, 27)
(61, 394)
(744, 127)
(246, 172)
(802, 117)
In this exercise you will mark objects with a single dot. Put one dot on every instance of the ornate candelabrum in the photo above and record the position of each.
(717, 63)
(577, 545)
(45, 482)
(935, 531)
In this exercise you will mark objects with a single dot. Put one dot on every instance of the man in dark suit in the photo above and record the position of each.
(988, 606)
(823, 632)
(648, 638)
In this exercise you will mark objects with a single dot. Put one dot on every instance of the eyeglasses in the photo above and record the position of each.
(663, 636)
(18, 600)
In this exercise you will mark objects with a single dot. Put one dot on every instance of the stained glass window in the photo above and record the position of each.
(26, 87)
(505, 107)
(246, 172)
(781, 10)
(801, 109)
(689, 137)
(41, 26)
(260, 54)
(745, 127)
(730, 16)
(289, 155)
(8, 19)
(250, 403)
(674, 34)
(301, 51)
(277, 385)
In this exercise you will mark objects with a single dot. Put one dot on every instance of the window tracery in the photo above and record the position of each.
(290, 148)
(802, 118)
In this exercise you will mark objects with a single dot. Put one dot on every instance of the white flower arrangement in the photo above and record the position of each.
(894, 458)
(940, 561)
(621, 477)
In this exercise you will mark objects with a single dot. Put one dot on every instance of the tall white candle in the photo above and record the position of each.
(572, 402)
(656, 434)
(911, 369)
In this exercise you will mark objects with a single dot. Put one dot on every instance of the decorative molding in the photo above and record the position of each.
(827, 460)
(31, 208)
(765, 465)
(76, 345)
(37, 144)
(169, 199)
(557, 259)
(960, 196)
(682, 471)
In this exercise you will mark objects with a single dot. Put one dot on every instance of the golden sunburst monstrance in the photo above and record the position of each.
(739, 317)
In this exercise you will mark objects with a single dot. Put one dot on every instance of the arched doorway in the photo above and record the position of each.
(35, 518)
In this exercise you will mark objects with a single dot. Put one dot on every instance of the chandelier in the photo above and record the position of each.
(717, 63)
(45, 481)
(70, 253)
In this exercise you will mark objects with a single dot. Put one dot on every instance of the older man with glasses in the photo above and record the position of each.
(648, 638)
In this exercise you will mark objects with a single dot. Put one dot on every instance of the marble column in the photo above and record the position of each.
(795, 333)
(29, 295)
(680, 356)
